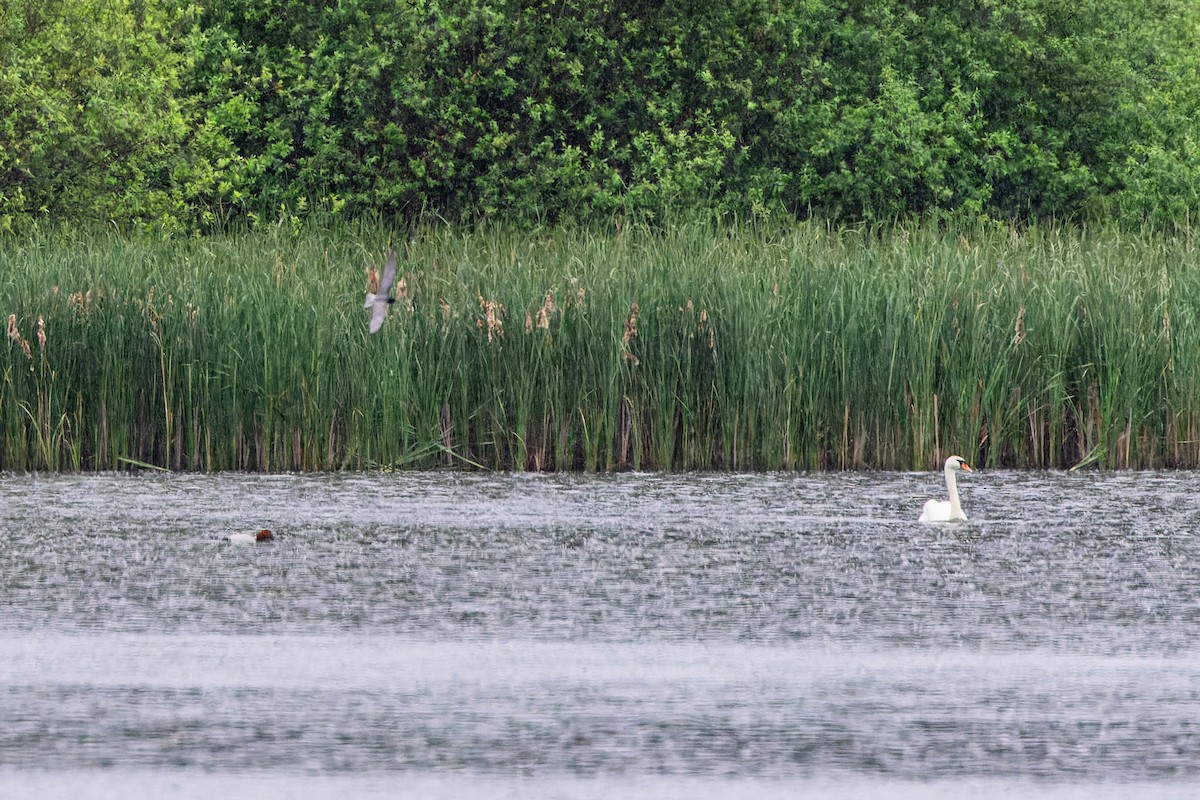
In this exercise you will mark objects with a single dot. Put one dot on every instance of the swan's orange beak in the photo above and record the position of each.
(966, 467)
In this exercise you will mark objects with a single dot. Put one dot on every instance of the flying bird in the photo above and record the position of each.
(379, 301)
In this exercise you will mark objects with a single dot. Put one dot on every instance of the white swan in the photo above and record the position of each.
(947, 510)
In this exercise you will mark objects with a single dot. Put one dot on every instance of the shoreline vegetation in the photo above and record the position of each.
(695, 346)
(726, 236)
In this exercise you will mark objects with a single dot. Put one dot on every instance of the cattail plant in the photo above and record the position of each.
(684, 346)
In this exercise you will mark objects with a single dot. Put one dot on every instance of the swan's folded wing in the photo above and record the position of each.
(935, 511)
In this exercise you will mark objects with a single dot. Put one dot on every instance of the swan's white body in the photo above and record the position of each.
(947, 510)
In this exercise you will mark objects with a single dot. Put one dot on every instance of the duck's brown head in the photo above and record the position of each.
(264, 536)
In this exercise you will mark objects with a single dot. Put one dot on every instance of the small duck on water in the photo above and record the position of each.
(258, 537)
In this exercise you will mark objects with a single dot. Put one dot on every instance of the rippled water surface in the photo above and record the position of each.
(633, 636)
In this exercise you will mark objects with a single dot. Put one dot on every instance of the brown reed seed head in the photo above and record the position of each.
(41, 332)
(1019, 327)
(82, 302)
(372, 280)
(575, 293)
(152, 313)
(402, 292)
(543, 317)
(493, 316)
(528, 323)
(631, 325)
(495, 322)
(15, 336)
(631, 332)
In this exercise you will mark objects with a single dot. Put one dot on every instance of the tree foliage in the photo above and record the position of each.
(166, 111)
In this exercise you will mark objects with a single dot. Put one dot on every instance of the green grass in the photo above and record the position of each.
(803, 347)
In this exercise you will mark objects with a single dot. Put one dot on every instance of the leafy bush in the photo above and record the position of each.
(165, 111)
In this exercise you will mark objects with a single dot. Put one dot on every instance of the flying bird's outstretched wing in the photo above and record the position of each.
(379, 302)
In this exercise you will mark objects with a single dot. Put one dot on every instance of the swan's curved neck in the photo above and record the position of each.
(952, 489)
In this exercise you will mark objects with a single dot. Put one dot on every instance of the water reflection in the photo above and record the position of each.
(570, 634)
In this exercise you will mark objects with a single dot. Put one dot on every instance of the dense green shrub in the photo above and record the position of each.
(184, 113)
(96, 120)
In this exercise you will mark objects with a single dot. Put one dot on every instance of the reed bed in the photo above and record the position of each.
(691, 346)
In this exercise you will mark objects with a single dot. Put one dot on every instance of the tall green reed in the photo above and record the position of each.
(686, 346)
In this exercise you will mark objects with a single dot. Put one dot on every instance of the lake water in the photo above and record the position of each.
(634, 636)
